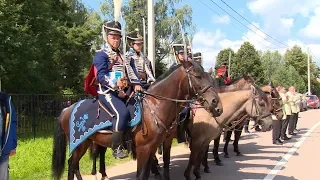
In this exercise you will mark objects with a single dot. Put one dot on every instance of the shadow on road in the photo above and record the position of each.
(234, 167)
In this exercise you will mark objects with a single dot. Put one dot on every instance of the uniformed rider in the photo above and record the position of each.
(112, 73)
(141, 63)
(185, 113)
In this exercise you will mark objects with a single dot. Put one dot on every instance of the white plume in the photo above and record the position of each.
(117, 9)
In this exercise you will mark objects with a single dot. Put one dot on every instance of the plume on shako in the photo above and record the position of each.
(117, 9)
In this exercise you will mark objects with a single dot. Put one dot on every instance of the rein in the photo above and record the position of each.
(198, 95)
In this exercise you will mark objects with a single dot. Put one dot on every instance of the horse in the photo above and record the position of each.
(276, 102)
(205, 128)
(242, 82)
(183, 82)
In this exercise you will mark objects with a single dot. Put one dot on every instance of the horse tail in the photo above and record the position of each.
(59, 150)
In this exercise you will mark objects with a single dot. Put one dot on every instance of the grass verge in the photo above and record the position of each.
(33, 158)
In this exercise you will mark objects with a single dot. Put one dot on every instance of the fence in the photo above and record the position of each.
(39, 112)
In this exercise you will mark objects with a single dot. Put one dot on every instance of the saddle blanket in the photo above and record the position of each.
(85, 121)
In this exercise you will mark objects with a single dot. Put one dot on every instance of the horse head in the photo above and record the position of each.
(260, 108)
(274, 99)
(199, 84)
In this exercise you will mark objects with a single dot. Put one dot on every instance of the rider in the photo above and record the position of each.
(141, 63)
(112, 72)
(197, 57)
(185, 113)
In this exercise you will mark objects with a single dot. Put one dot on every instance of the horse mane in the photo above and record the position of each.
(233, 81)
(167, 73)
(196, 66)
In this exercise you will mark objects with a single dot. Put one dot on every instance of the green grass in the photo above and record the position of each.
(33, 158)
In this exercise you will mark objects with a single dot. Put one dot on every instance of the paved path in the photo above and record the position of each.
(297, 159)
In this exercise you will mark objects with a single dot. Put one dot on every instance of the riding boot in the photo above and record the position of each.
(118, 151)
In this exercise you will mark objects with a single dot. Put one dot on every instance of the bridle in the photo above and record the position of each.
(190, 87)
(258, 114)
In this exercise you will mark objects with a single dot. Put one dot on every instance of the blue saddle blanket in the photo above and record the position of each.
(85, 120)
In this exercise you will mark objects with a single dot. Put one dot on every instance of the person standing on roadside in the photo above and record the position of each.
(8, 133)
(286, 113)
(294, 109)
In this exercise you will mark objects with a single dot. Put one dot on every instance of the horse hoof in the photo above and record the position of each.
(226, 156)
(239, 154)
(105, 178)
(199, 178)
(158, 177)
(93, 172)
(219, 163)
(207, 170)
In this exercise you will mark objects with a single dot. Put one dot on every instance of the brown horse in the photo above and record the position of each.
(273, 98)
(160, 109)
(239, 83)
(204, 128)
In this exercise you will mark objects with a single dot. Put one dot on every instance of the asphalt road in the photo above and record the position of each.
(296, 159)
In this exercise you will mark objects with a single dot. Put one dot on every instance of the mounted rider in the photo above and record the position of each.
(197, 57)
(113, 74)
(142, 66)
(141, 63)
(179, 52)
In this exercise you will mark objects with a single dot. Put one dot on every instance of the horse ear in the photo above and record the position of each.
(210, 70)
(271, 84)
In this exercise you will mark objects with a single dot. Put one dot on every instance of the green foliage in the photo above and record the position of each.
(247, 61)
(223, 57)
(46, 45)
(287, 76)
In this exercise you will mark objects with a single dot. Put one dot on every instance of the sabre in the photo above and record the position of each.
(190, 46)
(184, 41)
(117, 13)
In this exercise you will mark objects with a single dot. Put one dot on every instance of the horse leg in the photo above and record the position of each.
(160, 148)
(143, 162)
(205, 161)
(216, 150)
(166, 157)
(94, 155)
(102, 169)
(154, 168)
(237, 135)
(195, 148)
(225, 149)
(199, 159)
(76, 156)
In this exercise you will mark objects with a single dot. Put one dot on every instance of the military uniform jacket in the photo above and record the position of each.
(142, 65)
(107, 75)
(286, 108)
(292, 102)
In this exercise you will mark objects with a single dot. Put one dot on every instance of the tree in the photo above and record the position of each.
(271, 62)
(46, 46)
(167, 29)
(247, 61)
(287, 76)
(223, 57)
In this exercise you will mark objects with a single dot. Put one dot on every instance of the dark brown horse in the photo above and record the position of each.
(276, 103)
(240, 83)
(161, 105)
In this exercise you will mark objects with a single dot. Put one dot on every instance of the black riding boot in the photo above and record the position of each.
(116, 145)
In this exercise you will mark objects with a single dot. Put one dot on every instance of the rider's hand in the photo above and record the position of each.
(120, 82)
(137, 88)
(12, 152)
(151, 82)
(121, 94)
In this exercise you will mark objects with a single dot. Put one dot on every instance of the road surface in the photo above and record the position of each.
(296, 159)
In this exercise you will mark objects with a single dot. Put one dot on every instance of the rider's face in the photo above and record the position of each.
(114, 40)
(137, 47)
(181, 56)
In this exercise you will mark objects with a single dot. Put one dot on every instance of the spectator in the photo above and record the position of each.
(286, 113)
(276, 130)
(8, 134)
(294, 109)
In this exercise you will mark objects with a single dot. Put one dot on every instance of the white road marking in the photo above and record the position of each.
(287, 156)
